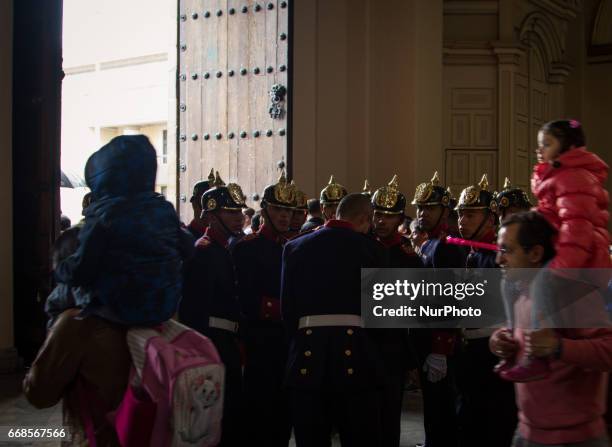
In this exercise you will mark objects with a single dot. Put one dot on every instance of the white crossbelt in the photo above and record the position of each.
(330, 320)
(472, 334)
(222, 323)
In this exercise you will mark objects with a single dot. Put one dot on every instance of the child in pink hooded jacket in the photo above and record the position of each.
(569, 183)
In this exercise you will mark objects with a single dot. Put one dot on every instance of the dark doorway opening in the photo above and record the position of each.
(37, 78)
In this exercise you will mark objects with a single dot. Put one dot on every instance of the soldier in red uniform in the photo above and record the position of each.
(258, 258)
(389, 205)
(197, 226)
(435, 348)
(486, 410)
(210, 304)
(300, 212)
(511, 200)
(330, 198)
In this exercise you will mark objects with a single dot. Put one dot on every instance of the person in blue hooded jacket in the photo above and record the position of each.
(128, 267)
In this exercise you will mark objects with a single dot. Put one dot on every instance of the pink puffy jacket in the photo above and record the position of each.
(572, 196)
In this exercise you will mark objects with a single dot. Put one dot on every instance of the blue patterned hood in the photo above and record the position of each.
(132, 246)
(124, 167)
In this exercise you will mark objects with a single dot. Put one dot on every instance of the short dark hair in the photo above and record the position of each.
(353, 205)
(568, 132)
(534, 230)
(248, 212)
(314, 206)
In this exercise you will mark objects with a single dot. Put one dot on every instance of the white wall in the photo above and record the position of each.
(96, 31)
(117, 64)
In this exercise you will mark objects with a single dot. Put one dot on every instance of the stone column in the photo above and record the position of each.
(508, 60)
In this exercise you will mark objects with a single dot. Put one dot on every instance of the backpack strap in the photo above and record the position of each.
(138, 338)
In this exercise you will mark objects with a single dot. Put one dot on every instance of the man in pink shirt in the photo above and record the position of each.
(565, 408)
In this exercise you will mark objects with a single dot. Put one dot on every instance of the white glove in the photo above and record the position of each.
(435, 367)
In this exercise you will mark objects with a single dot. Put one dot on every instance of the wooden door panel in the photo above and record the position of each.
(484, 162)
(282, 77)
(189, 108)
(269, 156)
(465, 167)
(226, 124)
(190, 73)
(457, 170)
(236, 37)
(220, 146)
(245, 154)
(257, 92)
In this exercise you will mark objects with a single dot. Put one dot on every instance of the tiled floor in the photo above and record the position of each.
(16, 411)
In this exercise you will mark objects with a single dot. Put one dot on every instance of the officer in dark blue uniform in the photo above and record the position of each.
(511, 200)
(210, 304)
(258, 271)
(389, 205)
(435, 348)
(334, 370)
(197, 226)
(487, 409)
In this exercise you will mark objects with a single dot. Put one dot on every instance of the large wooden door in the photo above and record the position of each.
(469, 126)
(233, 56)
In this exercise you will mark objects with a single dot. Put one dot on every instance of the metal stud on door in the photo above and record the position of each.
(233, 112)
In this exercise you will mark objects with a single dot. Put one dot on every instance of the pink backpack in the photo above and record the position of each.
(175, 397)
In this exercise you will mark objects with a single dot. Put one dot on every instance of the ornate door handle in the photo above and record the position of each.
(277, 99)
